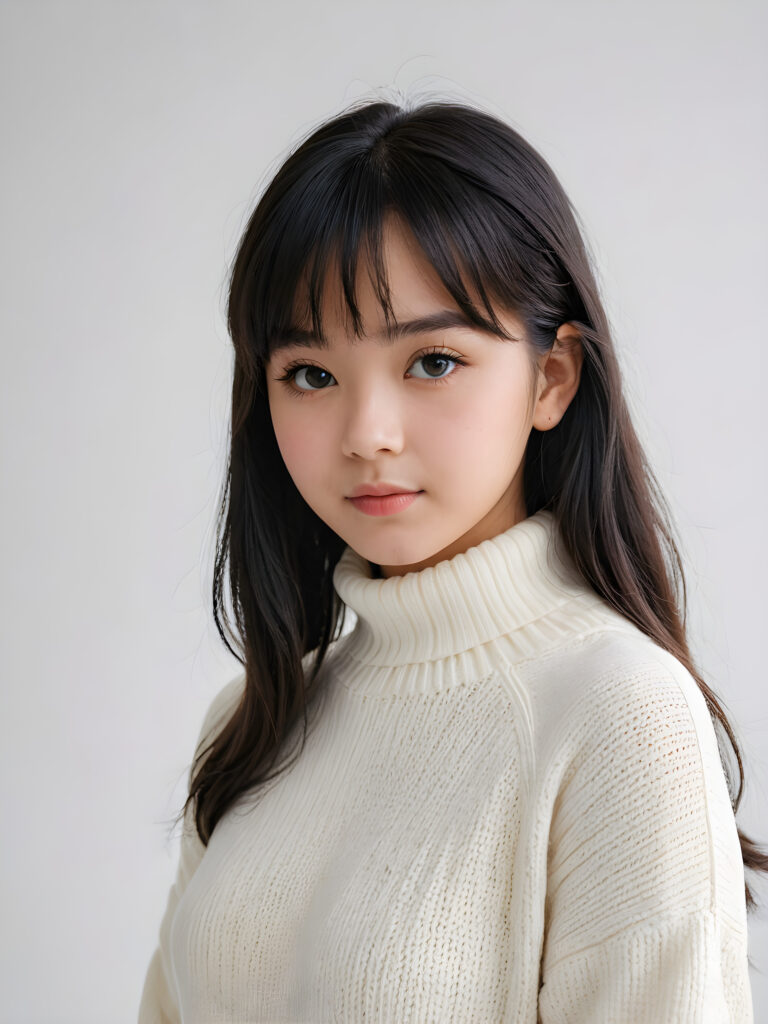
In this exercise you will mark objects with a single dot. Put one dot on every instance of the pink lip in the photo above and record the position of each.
(385, 505)
(380, 489)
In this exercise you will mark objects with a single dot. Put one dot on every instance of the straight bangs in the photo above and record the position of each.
(321, 215)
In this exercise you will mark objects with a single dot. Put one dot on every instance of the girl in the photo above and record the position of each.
(500, 797)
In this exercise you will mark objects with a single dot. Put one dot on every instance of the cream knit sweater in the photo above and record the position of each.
(510, 808)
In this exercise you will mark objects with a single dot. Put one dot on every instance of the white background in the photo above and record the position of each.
(135, 139)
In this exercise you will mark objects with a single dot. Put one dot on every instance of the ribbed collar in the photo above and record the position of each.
(487, 591)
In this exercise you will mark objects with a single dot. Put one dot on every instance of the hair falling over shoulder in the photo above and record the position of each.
(466, 183)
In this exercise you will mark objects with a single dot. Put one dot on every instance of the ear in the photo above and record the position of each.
(558, 377)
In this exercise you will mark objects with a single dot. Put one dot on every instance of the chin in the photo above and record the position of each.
(398, 556)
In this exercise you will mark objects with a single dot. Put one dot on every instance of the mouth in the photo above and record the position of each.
(385, 504)
(381, 494)
(380, 490)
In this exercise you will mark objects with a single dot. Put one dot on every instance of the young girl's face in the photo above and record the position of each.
(452, 427)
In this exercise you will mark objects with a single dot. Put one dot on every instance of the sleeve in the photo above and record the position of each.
(645, 910)
(159, 1002)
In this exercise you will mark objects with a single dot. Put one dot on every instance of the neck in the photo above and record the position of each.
(462, 602)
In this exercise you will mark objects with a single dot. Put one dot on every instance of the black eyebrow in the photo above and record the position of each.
(444, 318)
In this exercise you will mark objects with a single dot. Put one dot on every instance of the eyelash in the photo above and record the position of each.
(293, 368)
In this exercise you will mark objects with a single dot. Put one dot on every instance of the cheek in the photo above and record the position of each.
(502, 418)
(300, 446)
(483, 425)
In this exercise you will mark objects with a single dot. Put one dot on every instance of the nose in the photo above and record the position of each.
(372, 422)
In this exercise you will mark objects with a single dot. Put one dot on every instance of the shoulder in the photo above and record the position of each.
(633, 732)
(619, 692)
(644, 691)
(226, 700)
(635, 783)
(220, 709)
(616, 711)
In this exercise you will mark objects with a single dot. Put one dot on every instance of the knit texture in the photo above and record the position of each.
(510, 808)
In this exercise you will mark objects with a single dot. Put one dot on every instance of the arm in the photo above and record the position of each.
(645, 914)
(158, 999)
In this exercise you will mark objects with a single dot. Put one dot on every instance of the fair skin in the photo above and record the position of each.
(371, 411)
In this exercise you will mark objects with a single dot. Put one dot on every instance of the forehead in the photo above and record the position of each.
(396, 292)
(439, 320)
(392, 266)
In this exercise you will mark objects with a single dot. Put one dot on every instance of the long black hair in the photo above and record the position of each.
(489, 212)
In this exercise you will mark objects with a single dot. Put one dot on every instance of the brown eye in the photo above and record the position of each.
(316, 377)
(435, 359)
(292, 372)
(439, 359)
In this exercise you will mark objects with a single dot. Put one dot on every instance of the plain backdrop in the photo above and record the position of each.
(136, 138)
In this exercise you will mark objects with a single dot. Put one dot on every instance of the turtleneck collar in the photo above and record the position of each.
(485, 592)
